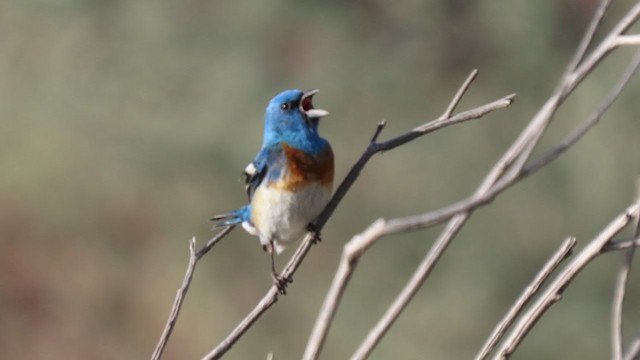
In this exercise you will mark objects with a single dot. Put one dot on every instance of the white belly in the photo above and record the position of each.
(282, 216)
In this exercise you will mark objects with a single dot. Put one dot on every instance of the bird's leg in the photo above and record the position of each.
(313, 229)
(278, 280)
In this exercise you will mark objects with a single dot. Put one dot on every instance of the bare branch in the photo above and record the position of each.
(350, 256)
(634, 350)
(588, 37)
(182, 291)
(214, 240)
(609, 43)
(628, 40)
(527, 295)
(622, 279)
(373, 148)
(412, 286)
(553, 293)
(439, 123)
(177, 304)
(458, 96)
(269, 299)
(593, 119)
(622, 244)
(379, 129)
(520, 153)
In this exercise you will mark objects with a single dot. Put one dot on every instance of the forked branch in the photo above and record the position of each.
(194, 257)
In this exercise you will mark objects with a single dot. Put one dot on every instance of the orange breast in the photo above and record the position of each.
(304, 168)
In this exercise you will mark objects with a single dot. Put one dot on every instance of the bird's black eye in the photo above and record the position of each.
(285, 106)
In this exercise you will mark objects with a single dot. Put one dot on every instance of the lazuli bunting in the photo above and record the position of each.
(290, 180)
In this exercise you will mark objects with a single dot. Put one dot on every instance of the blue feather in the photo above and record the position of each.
(235, 217)
(268, 163)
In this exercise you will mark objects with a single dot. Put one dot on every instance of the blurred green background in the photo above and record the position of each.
(125, 124)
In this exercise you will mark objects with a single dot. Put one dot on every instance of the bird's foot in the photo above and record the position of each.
(313, 229)
(281, 282)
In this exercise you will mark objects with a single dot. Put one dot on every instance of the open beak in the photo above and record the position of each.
(306, 105)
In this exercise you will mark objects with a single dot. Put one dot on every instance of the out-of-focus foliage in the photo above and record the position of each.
(125, 124)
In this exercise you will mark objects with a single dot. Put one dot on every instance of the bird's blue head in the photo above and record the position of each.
(290, 117)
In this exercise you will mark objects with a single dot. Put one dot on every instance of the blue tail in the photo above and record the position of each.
(235, 217)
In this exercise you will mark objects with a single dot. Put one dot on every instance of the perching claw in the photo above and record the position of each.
(313, 229)
(278, 280)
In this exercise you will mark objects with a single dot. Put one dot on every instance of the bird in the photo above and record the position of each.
(290, 180)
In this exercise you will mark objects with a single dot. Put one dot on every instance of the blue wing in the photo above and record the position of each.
(268, 164)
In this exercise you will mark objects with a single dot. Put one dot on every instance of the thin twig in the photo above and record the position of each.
(608, 44)
(441, 122)
(634, 350)
(348, 262)
(620, 289)
(553, 293)
(588, 36)
(622, 244)
(527, 295)
(214, 240)
(576, 134)
(626, 40)
(410, 289)
(379, 129)
(458, 96)
(182, 291)
(568, 83)
(373, 148)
